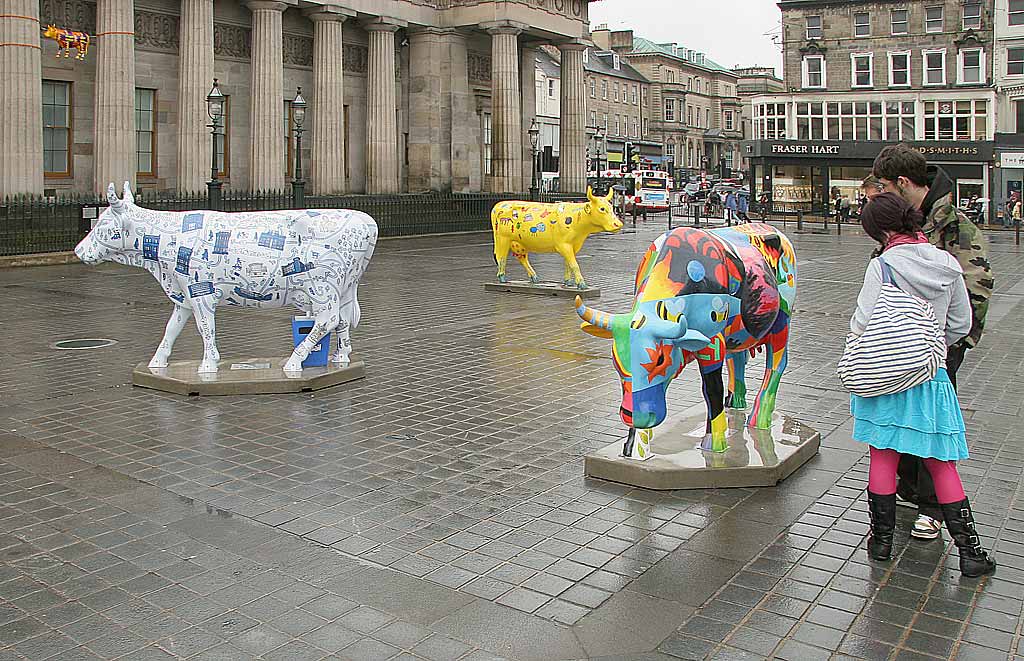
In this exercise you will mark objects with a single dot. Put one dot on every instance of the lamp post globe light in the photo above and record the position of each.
(215, 109)
(534, 132)
(298, 117)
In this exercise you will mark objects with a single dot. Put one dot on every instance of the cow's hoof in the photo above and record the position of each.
(293, 366)
(582, 286)
(534, 279)
(340, 360)
(157, 363)
(570, 283)
(207, 367)
(502, 279)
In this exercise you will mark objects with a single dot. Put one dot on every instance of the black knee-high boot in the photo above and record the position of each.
(960, 523)
(882, 510)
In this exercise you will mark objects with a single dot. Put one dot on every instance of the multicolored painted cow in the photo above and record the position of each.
(526, 227)
(713, 296)
(311, 260)
(68, 39)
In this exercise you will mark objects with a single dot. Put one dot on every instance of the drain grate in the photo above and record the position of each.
(84, 343)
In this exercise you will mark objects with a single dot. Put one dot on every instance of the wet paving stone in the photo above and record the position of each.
(458, 464)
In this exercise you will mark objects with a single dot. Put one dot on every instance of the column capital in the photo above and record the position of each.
(384, 24)
(574, 44)
(503, 27)
(265, 5)
(329, 13)
(421, 30)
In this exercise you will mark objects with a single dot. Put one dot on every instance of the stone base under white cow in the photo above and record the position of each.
(244, 376)
(542, 289)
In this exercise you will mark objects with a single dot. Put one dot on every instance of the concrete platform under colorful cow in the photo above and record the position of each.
(537, 227)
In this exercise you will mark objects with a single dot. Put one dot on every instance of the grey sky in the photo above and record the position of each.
(730, 32)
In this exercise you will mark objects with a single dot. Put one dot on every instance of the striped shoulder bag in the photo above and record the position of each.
(901, 347)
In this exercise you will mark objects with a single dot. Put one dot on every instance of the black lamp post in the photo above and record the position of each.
(298, 116)
(599, 137)
(591, 132)
(534, 132)
(215, 109)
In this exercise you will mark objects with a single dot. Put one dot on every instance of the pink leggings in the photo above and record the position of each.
(882, 476)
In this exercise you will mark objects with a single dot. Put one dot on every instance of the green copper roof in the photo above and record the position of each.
(641, 45)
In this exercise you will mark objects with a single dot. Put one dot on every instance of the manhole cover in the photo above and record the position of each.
(85, 343)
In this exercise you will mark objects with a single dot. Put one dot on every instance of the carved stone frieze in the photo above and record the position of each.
(232, 41)
(354, 57)
(298, 50)
(70, 14)
(156, 31)
(479, 65)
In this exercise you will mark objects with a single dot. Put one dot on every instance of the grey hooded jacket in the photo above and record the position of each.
(925, 271)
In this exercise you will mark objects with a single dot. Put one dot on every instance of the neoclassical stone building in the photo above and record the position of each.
(403, 95)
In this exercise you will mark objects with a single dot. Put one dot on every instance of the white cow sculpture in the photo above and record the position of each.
(311, 259)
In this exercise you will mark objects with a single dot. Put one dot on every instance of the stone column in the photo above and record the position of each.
(266, 163)
(21, 103)
(114, 116)
(465, 151)
(572, 163)
(430, 110)
(528, 87)
(327, 171)
(381, 108)
(195, 78)
(506, 107)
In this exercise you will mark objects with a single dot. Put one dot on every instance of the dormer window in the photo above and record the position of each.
(616, 64)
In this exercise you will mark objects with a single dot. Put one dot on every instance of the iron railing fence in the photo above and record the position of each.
(33, 224)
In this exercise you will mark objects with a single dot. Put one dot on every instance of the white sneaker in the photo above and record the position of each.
(925, 527)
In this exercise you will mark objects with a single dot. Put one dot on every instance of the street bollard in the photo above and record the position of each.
(799, 220)
(839, 227)
(1016, 232)
(670, 215)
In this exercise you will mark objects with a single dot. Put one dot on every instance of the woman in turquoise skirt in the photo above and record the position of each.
(925, 420)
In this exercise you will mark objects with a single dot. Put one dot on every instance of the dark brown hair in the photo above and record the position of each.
(889, 212)
(897, 161)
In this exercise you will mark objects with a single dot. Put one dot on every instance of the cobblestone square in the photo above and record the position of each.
(437, 509)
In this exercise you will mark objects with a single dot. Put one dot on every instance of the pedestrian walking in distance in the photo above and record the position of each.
(924, 420)
(902, 170)
(730, 207)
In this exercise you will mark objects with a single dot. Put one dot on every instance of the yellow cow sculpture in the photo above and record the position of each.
(525, 227)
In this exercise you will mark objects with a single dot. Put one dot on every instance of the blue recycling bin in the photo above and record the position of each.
(301, 327)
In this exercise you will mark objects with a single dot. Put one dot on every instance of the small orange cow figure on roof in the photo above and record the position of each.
(68, 39)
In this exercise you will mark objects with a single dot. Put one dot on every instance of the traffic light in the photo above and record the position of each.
(632, 157)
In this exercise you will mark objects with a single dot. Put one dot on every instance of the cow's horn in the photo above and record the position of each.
(128, 197)
(593, 316)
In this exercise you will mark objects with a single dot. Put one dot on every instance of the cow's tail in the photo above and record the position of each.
(357, 313)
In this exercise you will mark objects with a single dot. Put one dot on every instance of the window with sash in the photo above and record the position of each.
(956, 120)
(899, 21)
(56, 128)
(145, 132)
(933, 19)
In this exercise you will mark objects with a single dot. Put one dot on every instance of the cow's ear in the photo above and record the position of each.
(596, 331)
(589, 208)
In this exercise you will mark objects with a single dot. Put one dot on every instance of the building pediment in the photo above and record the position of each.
(812, 47)
(969, 38)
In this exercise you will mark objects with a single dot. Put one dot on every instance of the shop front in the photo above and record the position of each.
(1009, 176)
(806, 175)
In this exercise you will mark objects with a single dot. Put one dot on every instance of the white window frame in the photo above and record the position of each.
(853, 70)
(728, 121)
(924, 66)
(1018, 14)
(669, 110)
(975, 20)
(551, 88)
(805, 76)
(1021, 60)
(892, 83)
(905, 22)
(941, 19)
(856, 25)
(808, 28)
(593, 88)
(960, 66)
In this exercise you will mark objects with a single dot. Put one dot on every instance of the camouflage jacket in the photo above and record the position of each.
(947, 228)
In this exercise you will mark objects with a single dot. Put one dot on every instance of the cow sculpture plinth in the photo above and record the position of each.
(308, 259)
(711, 296)
(525, 227)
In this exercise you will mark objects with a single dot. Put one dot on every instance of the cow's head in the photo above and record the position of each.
(110, 234)
(51, 32)
(599, 212)
(652, 344)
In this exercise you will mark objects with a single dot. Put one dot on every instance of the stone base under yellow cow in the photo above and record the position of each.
(754, 458)
(542, 289)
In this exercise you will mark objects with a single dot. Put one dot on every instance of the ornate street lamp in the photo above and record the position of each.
(534, 136)
(215, 109)
(298, 116)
